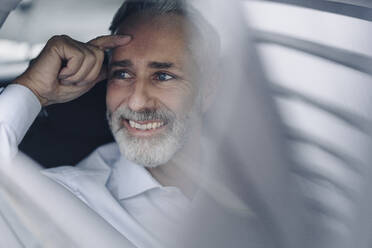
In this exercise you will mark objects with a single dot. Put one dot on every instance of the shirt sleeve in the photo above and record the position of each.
(18, 109)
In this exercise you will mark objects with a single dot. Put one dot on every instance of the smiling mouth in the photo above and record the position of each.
(144, 125)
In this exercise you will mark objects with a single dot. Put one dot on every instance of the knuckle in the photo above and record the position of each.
(89, 52)
(52, 41)
(57, 41)
(64, 37)
(54, 38)
(58, 38)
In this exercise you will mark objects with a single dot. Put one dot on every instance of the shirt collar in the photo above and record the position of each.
(122, 177)
(129, 179)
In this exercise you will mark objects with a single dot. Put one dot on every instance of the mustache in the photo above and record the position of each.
(161, 114)
(125, 113)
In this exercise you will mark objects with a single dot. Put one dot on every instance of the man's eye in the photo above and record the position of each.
(162, 76)
(121, 75)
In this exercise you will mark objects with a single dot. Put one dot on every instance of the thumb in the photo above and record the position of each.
(110, 41)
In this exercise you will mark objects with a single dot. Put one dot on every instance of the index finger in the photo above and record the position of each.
(110, 41)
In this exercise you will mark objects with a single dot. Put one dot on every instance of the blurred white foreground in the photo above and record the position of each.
(37, 212)
(298, 179)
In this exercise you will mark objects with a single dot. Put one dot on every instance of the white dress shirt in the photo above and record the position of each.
(123, 193)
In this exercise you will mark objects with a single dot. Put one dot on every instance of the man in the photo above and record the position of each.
(156, 94)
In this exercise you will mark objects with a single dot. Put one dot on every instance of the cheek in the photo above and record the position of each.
(114, 97)
(179, 101)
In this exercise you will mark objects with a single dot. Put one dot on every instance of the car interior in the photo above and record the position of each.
(303, 100)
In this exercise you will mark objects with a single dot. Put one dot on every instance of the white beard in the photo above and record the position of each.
(150, 151)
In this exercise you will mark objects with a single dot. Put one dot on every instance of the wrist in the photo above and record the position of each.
(43, 101)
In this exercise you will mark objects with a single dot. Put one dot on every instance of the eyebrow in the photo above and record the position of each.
(160, 65)
(122, 63)
(153, 64)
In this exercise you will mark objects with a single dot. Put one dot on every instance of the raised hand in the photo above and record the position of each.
(66, 69)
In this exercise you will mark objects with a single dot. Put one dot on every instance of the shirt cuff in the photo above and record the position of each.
(18, 109)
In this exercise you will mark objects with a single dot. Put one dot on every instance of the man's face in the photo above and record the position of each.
(151, 95)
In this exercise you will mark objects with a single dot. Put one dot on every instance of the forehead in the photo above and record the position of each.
(161, 37)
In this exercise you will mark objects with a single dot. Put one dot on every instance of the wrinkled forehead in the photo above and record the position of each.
(162, 37)
(149, 20)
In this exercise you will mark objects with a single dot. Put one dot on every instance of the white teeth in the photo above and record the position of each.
(132, 123)
(147, 126)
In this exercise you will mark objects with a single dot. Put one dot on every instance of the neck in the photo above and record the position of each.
(179, 171)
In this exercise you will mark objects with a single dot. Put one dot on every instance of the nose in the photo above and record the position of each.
(139, 98)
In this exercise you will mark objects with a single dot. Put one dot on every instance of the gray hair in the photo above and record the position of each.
(204, 41)
(159, 7)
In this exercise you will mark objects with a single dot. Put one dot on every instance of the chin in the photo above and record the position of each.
(150, 148)
(148, 151)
